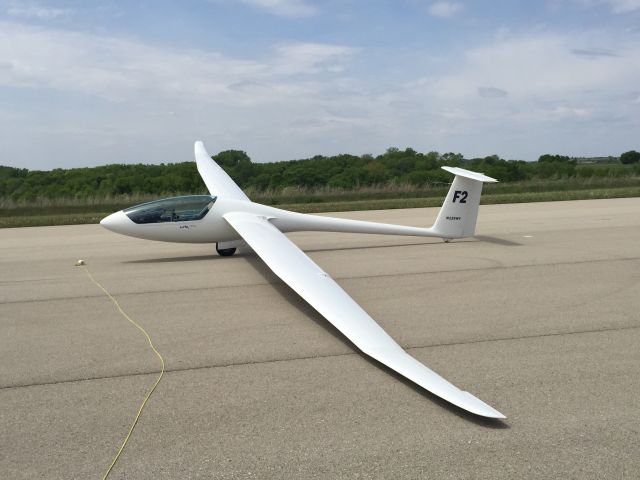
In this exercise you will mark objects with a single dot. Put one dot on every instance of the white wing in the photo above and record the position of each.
(215, 178)
(310, 282)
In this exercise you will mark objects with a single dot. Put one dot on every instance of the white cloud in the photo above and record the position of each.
(623, 6)
(311, 58)
(284, 8)
(562, 112)
(593, 53)
(108, 67)
(557, 100)
(108, 99)
(119, 93)
(444, 9)
(491, 92)
(26, 10)
(543, 64)
(124, 69)
(616, 6)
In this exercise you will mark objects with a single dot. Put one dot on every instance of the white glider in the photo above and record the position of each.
(228, 218)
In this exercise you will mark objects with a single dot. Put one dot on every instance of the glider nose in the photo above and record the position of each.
(115, 222)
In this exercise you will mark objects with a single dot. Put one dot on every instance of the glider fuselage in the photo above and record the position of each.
(213, 228)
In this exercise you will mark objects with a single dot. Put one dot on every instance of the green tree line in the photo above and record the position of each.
(344, 171)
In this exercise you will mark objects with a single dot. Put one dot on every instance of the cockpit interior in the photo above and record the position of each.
(176, 209)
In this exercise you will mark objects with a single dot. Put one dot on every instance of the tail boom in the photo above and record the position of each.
(456, 219)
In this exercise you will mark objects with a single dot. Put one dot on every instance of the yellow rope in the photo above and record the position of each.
(144, 402)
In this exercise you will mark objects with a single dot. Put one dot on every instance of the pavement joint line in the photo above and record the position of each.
(312, 357)
(363, 277)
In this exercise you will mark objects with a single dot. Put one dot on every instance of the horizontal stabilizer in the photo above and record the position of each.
(480, 177)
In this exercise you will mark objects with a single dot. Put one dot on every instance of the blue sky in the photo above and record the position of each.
(86, 83)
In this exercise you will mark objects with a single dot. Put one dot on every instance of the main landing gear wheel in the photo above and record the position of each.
(225, 252)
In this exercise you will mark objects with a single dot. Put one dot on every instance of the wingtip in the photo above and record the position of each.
(494, 414)
(489, 413)
(198, 148)
(474, 405)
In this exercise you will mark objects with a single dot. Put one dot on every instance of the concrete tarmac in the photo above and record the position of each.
(539, 316)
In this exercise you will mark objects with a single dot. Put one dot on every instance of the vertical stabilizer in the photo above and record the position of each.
(459, 212)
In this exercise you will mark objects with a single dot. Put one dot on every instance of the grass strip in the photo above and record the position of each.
(30, 220)
(488, 199)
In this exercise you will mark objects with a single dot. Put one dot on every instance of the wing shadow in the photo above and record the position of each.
(196, 258)
(498, 241)
(247, 253)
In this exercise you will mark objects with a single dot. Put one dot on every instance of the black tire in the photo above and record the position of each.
(225, 252)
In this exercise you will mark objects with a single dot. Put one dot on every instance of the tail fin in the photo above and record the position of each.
(459, 212)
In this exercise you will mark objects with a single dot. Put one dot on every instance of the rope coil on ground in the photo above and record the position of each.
(161, 373)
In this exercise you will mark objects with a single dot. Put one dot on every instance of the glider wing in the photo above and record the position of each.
(215, 178)
(310, 282)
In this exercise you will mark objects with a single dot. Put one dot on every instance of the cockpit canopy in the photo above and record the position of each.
(176, 209)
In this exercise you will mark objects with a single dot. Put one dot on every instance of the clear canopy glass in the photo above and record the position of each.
(176, 209)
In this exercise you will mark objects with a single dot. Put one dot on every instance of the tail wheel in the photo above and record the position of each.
(225, 252)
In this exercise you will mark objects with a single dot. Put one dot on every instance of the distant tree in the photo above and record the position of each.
(342, 171)
(547, 158)
(237, 164)
(376, 171)
(630, 157)
(491, 160)
(452, 159)
(231, 158)
(418, 177)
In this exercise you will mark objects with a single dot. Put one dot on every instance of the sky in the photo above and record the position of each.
(86, 83)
